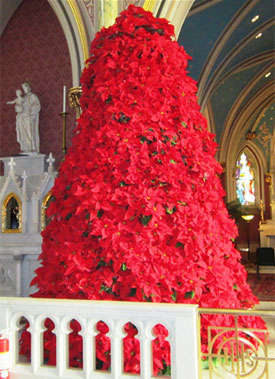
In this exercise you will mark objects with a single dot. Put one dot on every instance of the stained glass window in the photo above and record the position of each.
(245, 181)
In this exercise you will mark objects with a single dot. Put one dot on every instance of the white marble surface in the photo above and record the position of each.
(31, 164)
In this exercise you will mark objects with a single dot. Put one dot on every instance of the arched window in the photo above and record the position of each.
(245, 181)
(45, 205)
(11, 214)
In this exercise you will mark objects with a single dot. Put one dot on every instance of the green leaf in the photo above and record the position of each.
(69, 215)
(133, 291)
(173, 161)
(184, 160)
(182, 202)
(174, 295)
(183, 124)
(123, 267)
(171, 211)
(173, 142)
(105, 288)
(144, 139)
(189, 295)
(145, 220)
(235, 286)
(123, 183)
(100, 213)
(180, 244)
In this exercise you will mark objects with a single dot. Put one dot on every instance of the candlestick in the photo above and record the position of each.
(64, 99)
(64, 149)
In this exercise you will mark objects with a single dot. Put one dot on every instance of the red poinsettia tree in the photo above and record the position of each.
(138, 212)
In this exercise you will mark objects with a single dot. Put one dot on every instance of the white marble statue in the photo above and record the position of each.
(27, 110)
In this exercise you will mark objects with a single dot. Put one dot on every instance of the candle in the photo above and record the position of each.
(64, 99)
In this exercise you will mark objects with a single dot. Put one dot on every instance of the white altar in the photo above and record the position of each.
(24, 195)
(267, 234)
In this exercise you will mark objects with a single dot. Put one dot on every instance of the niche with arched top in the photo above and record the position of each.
(23, 339)
(161, 351)
(103, 347)
(45, 220)
(131, 349)
(75, 345)
(12, 214)
(49, 343)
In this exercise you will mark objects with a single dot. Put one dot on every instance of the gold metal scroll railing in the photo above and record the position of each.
(239, 352)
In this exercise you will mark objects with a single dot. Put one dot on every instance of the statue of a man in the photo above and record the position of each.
(27, 120)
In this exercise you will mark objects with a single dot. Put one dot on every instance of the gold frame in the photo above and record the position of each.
(4, 213)
(43, 209)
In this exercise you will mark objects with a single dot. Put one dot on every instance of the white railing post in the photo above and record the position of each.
(184, 346)
(36, 343)
(62, 349)
(146, 352)
(88, 350)
(116, 350)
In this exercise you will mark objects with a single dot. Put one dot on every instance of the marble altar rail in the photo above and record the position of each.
(180, 321)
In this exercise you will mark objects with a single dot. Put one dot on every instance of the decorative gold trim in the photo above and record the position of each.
(4, 214)
(149, 5)
(43, 209)
(268, 178)
(74, 96)
(80, 27)
(237, 351)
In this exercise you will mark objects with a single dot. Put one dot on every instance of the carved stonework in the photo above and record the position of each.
(250, 136)
(7, 278)
(24, 196)
(89, 4)
(137, 3)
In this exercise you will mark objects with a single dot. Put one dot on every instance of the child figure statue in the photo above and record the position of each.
(27, 110)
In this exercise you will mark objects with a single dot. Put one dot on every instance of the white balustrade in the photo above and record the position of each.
(180, 320)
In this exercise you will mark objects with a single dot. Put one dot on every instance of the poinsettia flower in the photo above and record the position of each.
(138, 212)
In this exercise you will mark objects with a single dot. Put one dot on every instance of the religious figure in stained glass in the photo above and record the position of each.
(245, 181)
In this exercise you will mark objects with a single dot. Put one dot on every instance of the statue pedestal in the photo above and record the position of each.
(31, 164)
(267, 234)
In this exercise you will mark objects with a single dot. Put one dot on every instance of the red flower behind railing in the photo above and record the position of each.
(138, 212)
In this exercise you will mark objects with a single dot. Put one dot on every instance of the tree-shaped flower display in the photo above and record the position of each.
(138, 212)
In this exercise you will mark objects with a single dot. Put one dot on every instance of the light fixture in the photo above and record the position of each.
(255, 18)
(248, 218)
(259, 35)
(267, 74)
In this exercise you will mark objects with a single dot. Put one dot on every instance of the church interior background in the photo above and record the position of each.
(46, 43)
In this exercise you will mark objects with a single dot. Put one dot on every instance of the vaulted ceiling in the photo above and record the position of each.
(231, 43)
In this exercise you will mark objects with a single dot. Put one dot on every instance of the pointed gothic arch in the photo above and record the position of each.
(12, 214)
(44, 206)
(258, 166)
